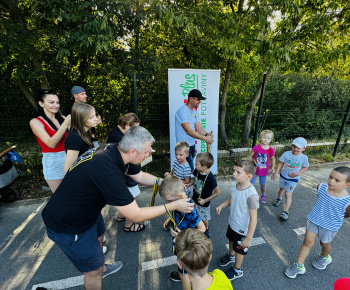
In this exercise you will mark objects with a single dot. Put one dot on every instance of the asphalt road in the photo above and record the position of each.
(29, 259)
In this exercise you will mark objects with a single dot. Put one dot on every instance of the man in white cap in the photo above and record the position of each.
(188, 124)
(294, 164)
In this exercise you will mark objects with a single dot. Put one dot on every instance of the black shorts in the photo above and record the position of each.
(235, 237)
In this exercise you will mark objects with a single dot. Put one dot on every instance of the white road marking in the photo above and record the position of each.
(145, 266)
(158, 263)
(62, 284)
(300, 231)
(255, 242)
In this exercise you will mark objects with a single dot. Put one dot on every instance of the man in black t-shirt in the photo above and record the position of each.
(73, 214)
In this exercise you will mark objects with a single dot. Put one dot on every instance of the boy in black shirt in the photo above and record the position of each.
(205, 187)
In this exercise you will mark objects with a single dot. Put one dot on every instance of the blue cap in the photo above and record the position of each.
(76, 90)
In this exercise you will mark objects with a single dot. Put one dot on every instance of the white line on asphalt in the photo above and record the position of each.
(255, 242)
(62, 284)
(300, 231)
(145, 266)
(158, 263)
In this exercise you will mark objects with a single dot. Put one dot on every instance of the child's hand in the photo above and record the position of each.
(201, 201)
(246, 242)
(174, 233)
(292, 175)
(274, 176)
(166, 173)
(218, 210)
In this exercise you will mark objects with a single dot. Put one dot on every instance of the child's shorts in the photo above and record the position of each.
(235, 238)
(53, 165)
(289, 185)
(324, 235)
(203, 212)
(84, 250)
(262, 181)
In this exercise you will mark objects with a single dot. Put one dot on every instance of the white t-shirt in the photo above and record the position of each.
(241, 202)
(185, 115)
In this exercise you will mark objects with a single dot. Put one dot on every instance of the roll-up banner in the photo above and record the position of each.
(181, 82)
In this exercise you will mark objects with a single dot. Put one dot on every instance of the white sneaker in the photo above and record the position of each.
(104, 249)
(104, 239)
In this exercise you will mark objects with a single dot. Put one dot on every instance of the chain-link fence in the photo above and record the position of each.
(292, 106)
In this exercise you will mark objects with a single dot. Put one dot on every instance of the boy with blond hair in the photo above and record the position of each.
(172, 189)
(205, 187)
(194, 253)
(324, 220)
(181, 168)
(244, 204)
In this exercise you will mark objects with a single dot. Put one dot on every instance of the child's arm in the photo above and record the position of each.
(251, 154)
(186, 180)
(253, 214)
(201, 227)
(279, 167)
(273, 164)
(205, 200)
(302, 170)
(223, 205)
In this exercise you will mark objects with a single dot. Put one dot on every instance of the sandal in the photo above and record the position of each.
(134, 228)
(121, 219)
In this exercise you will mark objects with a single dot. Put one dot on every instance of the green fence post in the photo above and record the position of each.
(257, 123)
(135, 92)
(341, 130)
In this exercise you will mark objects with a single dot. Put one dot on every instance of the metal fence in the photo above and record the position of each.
(317, 116)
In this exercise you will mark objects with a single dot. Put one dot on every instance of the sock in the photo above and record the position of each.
(279, 198)
(232, 257)
(299, 265)
(238, 270)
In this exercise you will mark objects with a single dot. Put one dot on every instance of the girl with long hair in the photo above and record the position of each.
(50, 129)
(79, 139)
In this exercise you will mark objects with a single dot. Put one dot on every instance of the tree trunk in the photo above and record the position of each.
(250, 110)
(223, 105)
(11, 7)
(27, 92)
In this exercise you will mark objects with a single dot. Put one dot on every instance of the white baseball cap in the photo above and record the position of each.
(300, 142)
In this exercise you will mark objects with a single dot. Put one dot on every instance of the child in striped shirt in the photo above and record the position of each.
(181, 168)
(324, 220)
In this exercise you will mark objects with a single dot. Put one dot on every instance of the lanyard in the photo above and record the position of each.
(203, 183)
(172, 217)
(155, 191)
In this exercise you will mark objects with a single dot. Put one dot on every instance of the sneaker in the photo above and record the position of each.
(233, 274)
(104, 239)
(104, 249)
(112, 268)
(284, 215)
(294, 270)
(277, 202)
(207, 233)
(263, 198)
(321, 263)
(225, 260)
(175, 276)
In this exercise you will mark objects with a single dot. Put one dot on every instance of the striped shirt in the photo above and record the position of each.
(328, 211)
(182, 171)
